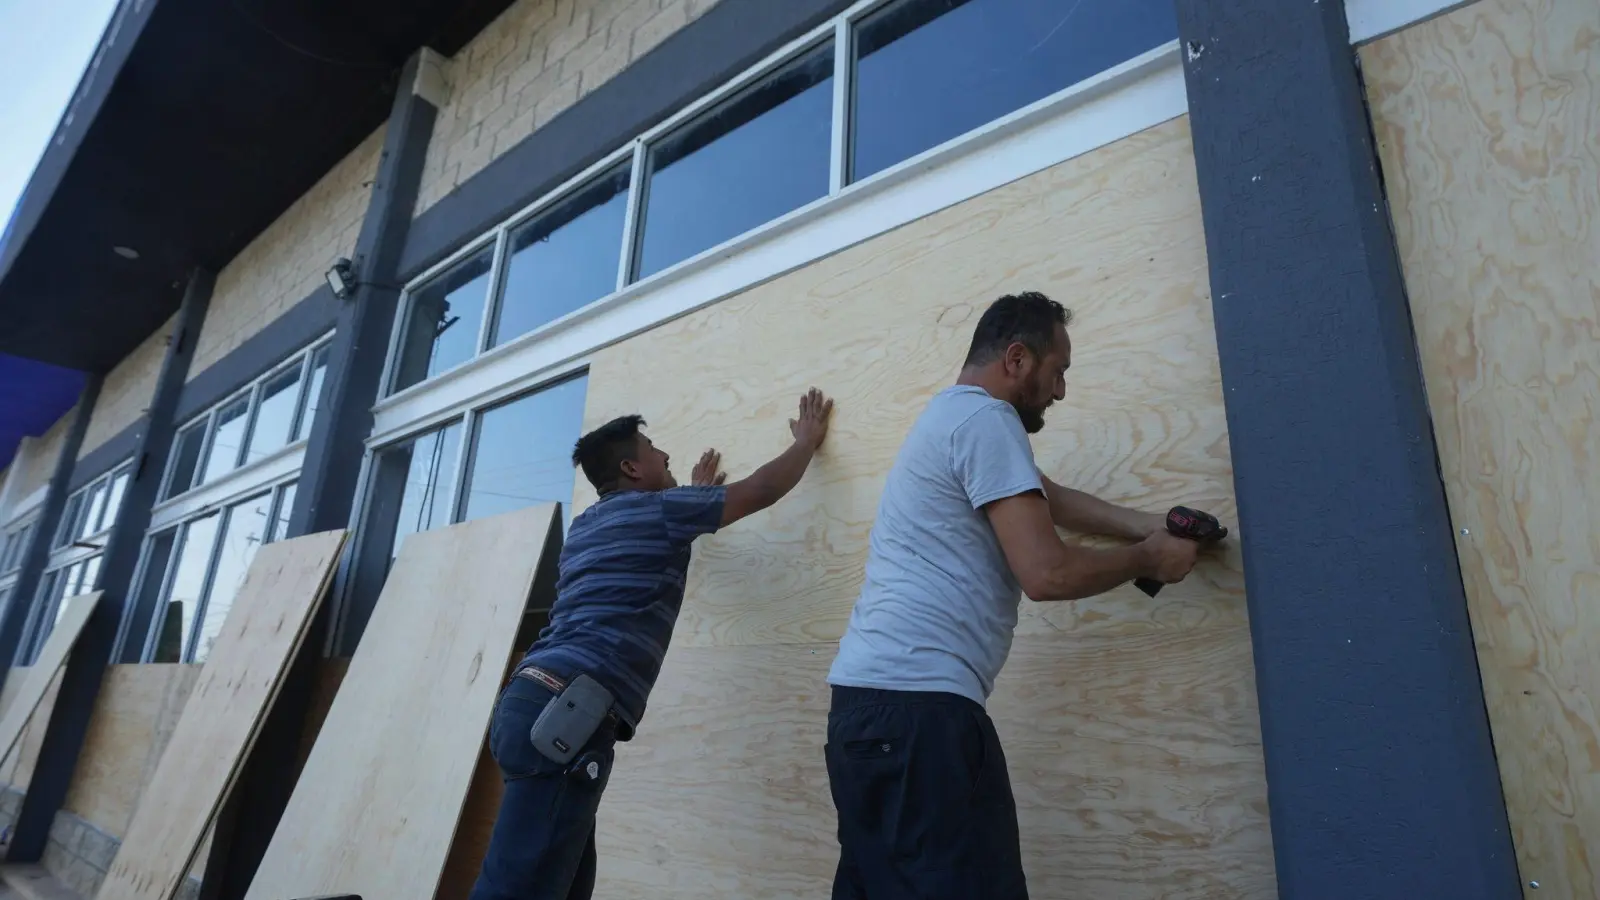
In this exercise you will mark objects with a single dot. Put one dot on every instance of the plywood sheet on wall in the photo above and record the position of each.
(1488, 123)
(282, 591)
(1136, 749)
(377, 803)
(134, 716)
(16, 769)
(52, 656)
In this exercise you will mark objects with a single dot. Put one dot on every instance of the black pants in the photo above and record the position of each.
(924, 799)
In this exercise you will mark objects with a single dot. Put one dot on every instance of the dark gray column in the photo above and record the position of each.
(1380, 772)
(86, 666)
(37, 553)
(329, 476)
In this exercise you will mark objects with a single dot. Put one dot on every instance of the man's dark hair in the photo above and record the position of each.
(601, 452)
(1029, 317)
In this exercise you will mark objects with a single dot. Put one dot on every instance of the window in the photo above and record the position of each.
(208, 558)
(242, 535)
(250, 426)
(151, 581)
(443, 321)
(67, 528)
(412, 489)
(188, 586)
(871, 88)
(16, 546)
(92, 509)
(563, 259)
(280, 517)
(522, 452)
(280, 395)
(319, 370)
(429, 464)
(185, 456)
(927, 71)
(227, 438)
(55, 588)
(748, 161)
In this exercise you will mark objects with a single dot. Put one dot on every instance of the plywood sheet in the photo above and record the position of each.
(378, 801)
(286, 583)
(17, 768)
(1488, 123)
(134, 716)
(1131, 784)
(51, 656)
(1136, 755)
(1115, 235)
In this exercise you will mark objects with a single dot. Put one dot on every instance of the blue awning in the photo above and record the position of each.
(33, 396)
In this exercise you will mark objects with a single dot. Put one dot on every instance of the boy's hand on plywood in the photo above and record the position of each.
(812, 425)
(708, 470)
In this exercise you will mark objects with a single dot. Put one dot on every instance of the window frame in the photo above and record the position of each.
(1154, 75)
(207, 419)
(274, 490)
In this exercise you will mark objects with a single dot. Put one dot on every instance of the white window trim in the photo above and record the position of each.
(1370, 20)
(1139, 94)
(103, 479)
(252, 391)
(246, 481)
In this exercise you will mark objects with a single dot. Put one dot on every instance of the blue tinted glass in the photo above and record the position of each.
(446, 313)
(565, 259)
(749, 161)
(523, 453)
(930, 70)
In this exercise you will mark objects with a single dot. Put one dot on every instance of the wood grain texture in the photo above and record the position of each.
(1488, 122)
(51, 657)
(376, 806)
(134, 716)
(1115, 235)
(1133, 783)
(282, 590)
(1130, 722)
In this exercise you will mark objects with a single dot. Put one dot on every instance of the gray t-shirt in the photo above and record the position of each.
(939, 604)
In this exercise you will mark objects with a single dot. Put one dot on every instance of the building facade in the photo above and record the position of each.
(1334, 277)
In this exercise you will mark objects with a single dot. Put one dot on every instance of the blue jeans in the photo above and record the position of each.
(543, 842)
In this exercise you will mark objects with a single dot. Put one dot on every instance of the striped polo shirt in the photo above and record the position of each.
(621, 586)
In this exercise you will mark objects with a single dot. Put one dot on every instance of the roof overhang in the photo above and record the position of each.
(197, 123)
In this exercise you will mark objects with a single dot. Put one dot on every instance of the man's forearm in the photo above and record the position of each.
(1088, 572)
(1087, 514)
(778, 477)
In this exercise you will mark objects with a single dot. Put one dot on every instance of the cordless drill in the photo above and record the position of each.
(1190, 524)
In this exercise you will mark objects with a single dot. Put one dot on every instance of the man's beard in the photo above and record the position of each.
(1032, 419)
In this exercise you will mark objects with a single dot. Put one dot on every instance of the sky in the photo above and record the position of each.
(44, 47)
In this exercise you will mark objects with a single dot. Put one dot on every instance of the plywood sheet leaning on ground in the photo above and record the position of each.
(1130, 723)
(286, 583)
(1488, 123)
(43, 671)
(376, 806)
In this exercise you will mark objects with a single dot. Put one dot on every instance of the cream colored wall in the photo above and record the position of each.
(290, 259)
(1488, 126)
(529, 65)
(37, 457)
(126, 393)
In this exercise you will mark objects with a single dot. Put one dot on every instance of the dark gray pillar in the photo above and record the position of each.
(329, 476)
(86, 666)
(1381, 775)
(37, 553)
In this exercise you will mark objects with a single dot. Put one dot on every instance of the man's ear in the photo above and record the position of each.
(630, 469)
(1016, 358)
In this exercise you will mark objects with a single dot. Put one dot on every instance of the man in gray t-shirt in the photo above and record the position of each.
(965, 527)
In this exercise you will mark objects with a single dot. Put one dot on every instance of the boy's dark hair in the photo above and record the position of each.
(600, 453)
(1029, 317)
